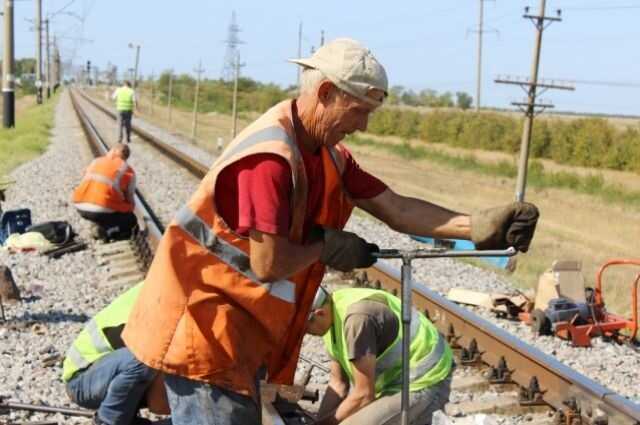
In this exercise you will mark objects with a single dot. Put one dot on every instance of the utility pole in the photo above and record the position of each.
(321, 38)
(47, 51)
(135, 69)
(152, 91)
(530, 107)
(194, 127)
(8, 79)
(234, 109)
(169, 95)
(39, 51)
(299, 68)
(479, 74)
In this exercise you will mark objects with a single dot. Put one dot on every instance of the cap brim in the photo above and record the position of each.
(302, 62)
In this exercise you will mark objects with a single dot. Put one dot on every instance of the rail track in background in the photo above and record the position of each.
(543, 382)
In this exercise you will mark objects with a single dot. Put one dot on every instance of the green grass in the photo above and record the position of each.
(592, 184)
(28, 139)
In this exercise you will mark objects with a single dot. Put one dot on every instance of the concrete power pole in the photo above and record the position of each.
(48, 61)
(169, 96)
(530, 107)
(39, 51)
(479, 75)
(194, 127)
(135, 69)
(8, 79)
(234, 108)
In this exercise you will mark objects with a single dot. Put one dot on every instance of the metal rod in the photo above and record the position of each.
(443, 252)
(407, 257)
(8, 79)
(315, 363)
(46, 409)
(406, 336)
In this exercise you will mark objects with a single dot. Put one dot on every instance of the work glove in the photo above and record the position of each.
(345, 251)
(502, 227)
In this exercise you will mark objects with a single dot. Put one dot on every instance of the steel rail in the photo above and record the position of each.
(561, 387)
(194, 166)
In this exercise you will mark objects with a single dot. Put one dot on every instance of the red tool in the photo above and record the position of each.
(598, 321)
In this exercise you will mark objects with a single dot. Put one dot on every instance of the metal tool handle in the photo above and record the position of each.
(442, 253)
(407, 256)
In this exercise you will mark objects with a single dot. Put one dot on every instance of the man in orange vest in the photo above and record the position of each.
(105, 195)
(228, 294)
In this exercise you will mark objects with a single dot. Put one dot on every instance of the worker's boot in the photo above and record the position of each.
(98, 232)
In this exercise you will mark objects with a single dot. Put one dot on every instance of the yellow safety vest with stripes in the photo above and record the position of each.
(430, 356)
(124, 99)
(92, 344)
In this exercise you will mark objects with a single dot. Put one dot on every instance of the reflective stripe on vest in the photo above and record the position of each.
(230, 255)
(425, 364)
(265, 135)
(115, 183)
(99, 346)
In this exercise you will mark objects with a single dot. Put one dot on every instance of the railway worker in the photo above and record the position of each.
(125, 98)
(228, 293)
(101, 374)
(105, 196)
(361, 332)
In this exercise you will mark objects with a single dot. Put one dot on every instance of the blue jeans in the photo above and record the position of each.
(114, 385)
(197, 403)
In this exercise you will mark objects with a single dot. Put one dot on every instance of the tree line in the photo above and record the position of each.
(589, 142)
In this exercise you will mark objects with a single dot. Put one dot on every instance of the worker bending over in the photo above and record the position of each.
(105, 195)
(101, 374)
(125, 98)
(363, 336)
(227, 296)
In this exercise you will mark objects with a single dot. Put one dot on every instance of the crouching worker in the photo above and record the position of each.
(105, 195)
(363, 336)
(101, 374)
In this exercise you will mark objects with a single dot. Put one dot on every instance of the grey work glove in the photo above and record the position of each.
(502, 227)
(345, 251)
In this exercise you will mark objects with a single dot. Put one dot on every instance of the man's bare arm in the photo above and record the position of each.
(337, 390)
(417, 217)
(362, 394)
(274, 257)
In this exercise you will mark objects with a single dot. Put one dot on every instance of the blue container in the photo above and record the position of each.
(463, 245)
(14, 221)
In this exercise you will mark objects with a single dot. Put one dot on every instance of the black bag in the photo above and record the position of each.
(56, 232)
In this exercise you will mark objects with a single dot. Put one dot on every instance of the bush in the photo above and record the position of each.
(591, 142)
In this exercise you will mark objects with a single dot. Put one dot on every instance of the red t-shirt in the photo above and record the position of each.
(255, 192)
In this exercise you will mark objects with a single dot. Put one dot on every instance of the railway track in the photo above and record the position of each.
(543, 384)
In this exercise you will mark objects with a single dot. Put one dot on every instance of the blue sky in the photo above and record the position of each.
(423, 44)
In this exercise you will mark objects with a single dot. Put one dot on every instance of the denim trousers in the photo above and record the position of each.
(198, 403)
(114, 385)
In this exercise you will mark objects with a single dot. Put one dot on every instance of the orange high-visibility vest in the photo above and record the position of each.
(202, 313)
(105, 183)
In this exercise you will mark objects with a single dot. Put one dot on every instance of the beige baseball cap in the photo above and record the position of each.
(351, 67)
